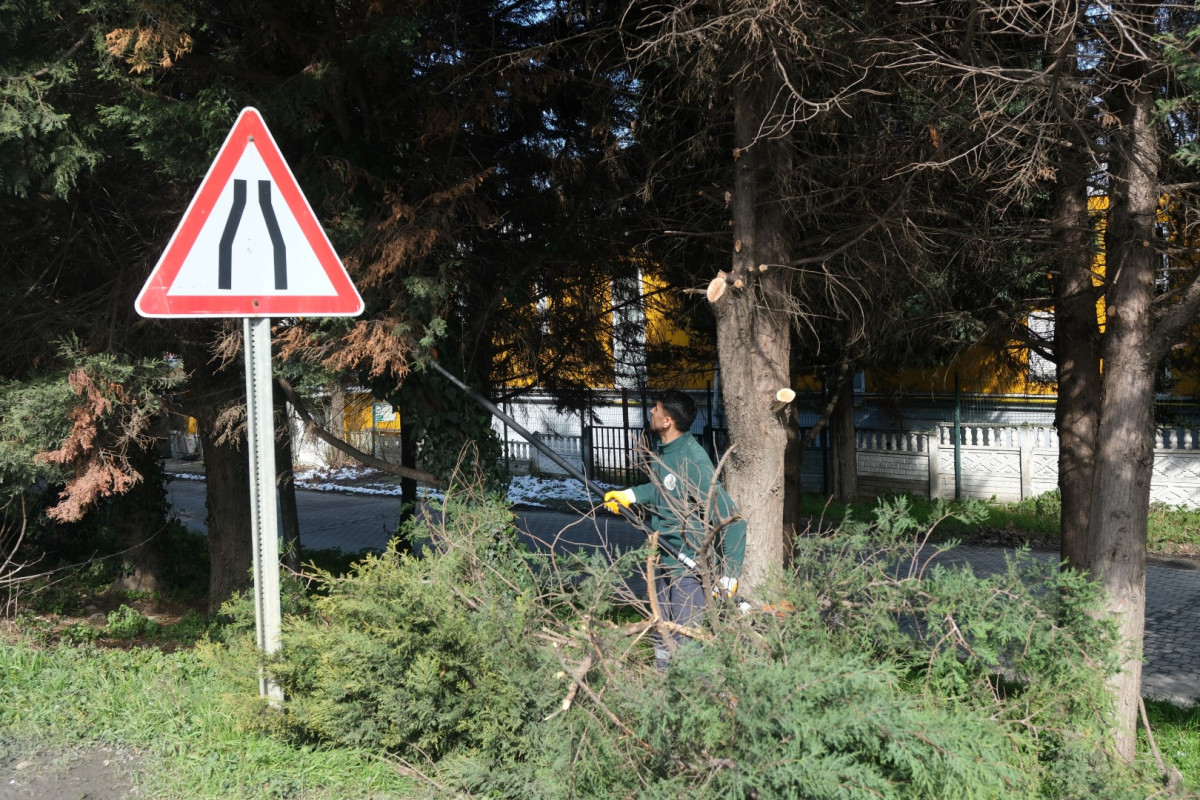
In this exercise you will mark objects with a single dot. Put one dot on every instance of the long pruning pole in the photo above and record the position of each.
(570, 469)
(533, 440)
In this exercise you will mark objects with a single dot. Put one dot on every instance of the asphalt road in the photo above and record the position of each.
(356, 522)
(352, 523)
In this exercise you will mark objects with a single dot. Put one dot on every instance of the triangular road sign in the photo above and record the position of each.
(249, 244)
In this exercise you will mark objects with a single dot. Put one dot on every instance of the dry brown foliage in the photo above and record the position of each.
(370, 344)
(412, 230)
(104, 426)
(158, 43)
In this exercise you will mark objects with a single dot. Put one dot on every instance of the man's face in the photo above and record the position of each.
(659, 419)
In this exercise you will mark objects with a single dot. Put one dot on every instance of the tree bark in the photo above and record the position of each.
(793, 486)
(139, 517)
(408, 458)
(289, 516)
(227, 498)
(844, 444)
(337, 422)
(753, 336)
(227, 472)
(1077, 351)
(1116, 545)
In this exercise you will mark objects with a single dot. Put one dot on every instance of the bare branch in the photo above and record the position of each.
(364, 458)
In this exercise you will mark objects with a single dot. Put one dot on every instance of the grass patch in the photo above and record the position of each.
(1172, 530)
(1028, 519)
(1177, 734)
(192, 717)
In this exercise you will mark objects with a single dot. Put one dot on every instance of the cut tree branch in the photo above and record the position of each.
(364, 458)
(842, 374)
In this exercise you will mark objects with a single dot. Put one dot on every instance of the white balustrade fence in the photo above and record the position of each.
(523, 456)
(519, 450)
(1008, 462)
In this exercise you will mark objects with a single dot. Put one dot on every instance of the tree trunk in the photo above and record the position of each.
(408, 458)
(227, 472)
(231, 553)
(753, 337)
(1077, 351)
(139, 517)
(337, 423)
(844, 443)
(1116, 546)
(289, 517)
(793, 487)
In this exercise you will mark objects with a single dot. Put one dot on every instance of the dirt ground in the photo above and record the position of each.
(93, 774)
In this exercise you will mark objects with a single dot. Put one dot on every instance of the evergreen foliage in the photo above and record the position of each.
(425, 656)
(84, 416)
(446, 424)
(28, 426)
(42, 148)
(872, 674)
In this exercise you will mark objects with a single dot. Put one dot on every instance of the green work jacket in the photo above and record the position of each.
(682, 480)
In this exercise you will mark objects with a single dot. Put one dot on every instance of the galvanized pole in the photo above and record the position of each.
(264, 505)
(957, 438)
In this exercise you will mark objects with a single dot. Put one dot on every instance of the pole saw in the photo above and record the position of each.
(570, 469)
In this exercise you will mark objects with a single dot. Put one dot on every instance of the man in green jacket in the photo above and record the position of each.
(691, 511)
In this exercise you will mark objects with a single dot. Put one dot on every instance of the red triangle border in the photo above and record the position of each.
(155, 300)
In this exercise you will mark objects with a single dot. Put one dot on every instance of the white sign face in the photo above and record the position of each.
(249, 244)
(250, 250)
(384, 412)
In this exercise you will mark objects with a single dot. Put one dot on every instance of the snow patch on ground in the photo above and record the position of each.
(527, 490)
(531, 490)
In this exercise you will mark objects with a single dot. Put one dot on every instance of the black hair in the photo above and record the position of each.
(679, 407)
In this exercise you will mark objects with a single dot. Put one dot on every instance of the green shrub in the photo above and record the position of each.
(425, 656)
(872, 674)
(800, 720)
(1046, 505)
(185, 560)
(128, 623)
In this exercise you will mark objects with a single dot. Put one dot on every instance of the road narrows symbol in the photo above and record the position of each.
(225, 253)
(277, 244)
(303, 277)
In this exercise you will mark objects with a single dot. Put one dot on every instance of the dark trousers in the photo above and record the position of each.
(680, 600)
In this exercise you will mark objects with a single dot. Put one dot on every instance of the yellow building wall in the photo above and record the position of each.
(359, 415)
(1183, 363)
(1004, 370)
(530, 347)
(981, 370)
(677, 356)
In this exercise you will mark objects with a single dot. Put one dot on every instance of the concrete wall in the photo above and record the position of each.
(1007, 462)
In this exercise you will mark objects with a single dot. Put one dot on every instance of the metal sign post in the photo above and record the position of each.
(264, 503)
(227, 260)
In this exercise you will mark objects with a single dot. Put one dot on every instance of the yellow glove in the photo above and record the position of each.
(623, 497)
(727, 587)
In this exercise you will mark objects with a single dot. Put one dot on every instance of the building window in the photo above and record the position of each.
(1041, 331)
(629, 332)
